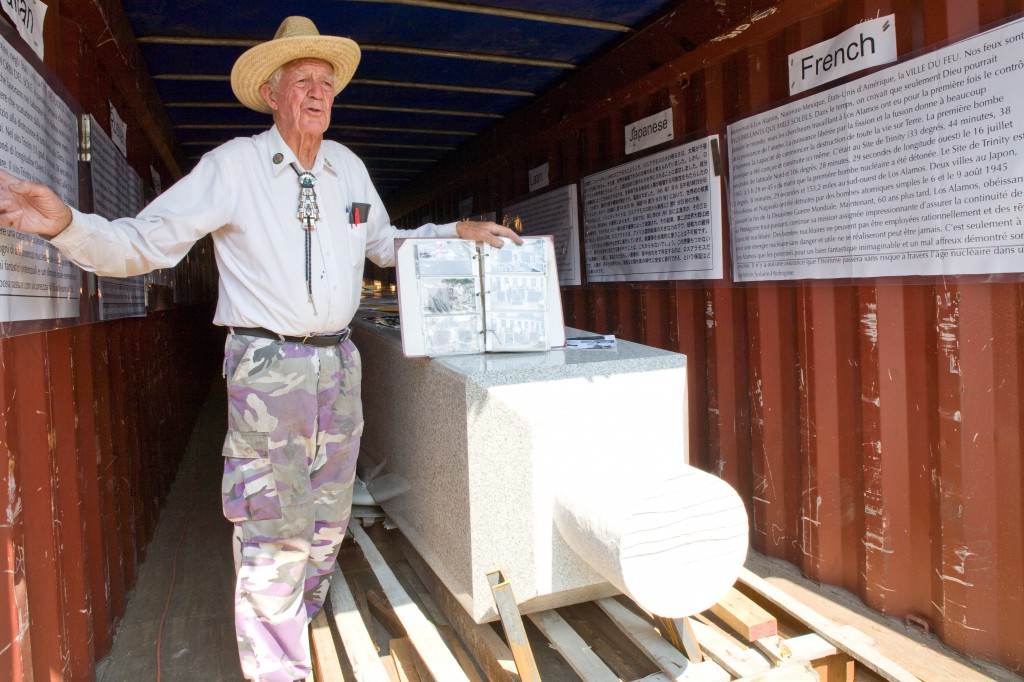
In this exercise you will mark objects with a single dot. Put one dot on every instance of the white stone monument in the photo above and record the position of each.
(565, 469)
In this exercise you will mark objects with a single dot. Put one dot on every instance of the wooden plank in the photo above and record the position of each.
(838, 668)
(381, 609)
(605, 639)
(357, 580)
(576, 652)
(512, 622)
(669, 659)
(325, 654)
(744, 616)
(679, 633)
(866, 654)
(461, 655)
(493, 655)
(809, 647)
(404, 656)
(737, 660)
(423, 633)
(801, 672)
(359, 648)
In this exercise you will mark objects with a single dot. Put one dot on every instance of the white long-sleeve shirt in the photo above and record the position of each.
(246, 194)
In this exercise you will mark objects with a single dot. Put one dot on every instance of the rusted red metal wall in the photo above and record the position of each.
(874, 429)
(95, 416)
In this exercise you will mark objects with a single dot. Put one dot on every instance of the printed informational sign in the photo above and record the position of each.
(158, 185)
(538, 177)
(118, 131)
(871, 43)
(38, 141)
(659, 217)
(29, 17)
(117, 188)
(650, 131)
(554, 213)
(117, 192)
(917, 169)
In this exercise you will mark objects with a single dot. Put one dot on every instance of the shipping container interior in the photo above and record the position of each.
(871, 423)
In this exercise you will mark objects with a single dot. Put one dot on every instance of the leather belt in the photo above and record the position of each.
(318, 340)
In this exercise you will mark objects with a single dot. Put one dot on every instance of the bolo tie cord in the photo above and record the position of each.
(308, 214)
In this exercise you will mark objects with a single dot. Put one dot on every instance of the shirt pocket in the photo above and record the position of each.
(357, 244)
(248, 488)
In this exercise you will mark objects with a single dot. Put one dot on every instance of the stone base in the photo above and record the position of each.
(465, 453)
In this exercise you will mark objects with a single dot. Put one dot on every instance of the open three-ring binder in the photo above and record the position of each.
(457, 296)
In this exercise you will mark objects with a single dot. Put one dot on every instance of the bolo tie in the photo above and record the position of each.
(308, 214)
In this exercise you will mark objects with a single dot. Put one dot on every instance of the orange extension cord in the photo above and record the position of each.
(170, 593)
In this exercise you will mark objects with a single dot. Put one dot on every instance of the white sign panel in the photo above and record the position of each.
(656, 218)
(158, 185)
(649, 131)
(28, 17)
(538, 177)
(871, 43)
(117, 192)
(38, 141)
(118, 131)
(555, 213)
(917, 169)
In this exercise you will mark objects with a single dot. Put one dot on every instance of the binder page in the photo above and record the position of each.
(516, 295)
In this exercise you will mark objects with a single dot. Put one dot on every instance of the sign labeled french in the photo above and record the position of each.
(871, 43)
(649, 131)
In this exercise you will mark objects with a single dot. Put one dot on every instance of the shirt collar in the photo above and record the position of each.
(278, 149)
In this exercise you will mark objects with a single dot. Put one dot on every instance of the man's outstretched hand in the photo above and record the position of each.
(485, 231)
(31, 207)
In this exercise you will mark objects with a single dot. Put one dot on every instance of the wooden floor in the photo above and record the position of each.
(180, 616)
(191, 552)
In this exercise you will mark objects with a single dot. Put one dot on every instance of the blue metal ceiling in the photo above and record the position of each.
(433, 73)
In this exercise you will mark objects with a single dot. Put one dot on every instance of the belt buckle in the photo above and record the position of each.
(306, 338)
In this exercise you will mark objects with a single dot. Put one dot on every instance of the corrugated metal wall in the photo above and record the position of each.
(95, 417)
(873, 428)
(95, 422)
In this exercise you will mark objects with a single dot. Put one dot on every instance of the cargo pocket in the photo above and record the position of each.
(248, 489)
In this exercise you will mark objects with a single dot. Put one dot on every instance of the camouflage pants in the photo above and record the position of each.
(294, 422)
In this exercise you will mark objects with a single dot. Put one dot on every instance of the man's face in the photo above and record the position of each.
(302, 100)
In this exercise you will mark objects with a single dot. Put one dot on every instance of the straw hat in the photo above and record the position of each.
(296, 38)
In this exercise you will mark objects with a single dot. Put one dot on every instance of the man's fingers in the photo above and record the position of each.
(514, 237)
(493, 240)
(488, 232)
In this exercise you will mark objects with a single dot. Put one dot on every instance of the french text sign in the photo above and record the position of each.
(871, 43)
(917, 169)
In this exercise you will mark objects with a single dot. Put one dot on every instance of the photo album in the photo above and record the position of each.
(457, 296)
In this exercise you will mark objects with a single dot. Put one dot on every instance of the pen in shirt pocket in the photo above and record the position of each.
(358, 213)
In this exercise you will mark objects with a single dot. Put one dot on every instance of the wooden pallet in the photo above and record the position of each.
(389, 619)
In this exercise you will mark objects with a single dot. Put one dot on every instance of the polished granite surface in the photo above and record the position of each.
(466, 453)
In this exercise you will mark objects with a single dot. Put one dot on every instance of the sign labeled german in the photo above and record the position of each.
(917, 169)
(39, 142)
(656, 218)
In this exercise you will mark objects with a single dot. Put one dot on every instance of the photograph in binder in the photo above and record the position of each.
(459, 297)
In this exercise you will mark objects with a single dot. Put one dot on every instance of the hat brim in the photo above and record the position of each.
(257, 64)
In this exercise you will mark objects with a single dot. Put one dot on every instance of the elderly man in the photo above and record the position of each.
(293, 217)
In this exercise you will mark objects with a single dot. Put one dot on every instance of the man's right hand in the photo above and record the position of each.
(31, 207)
